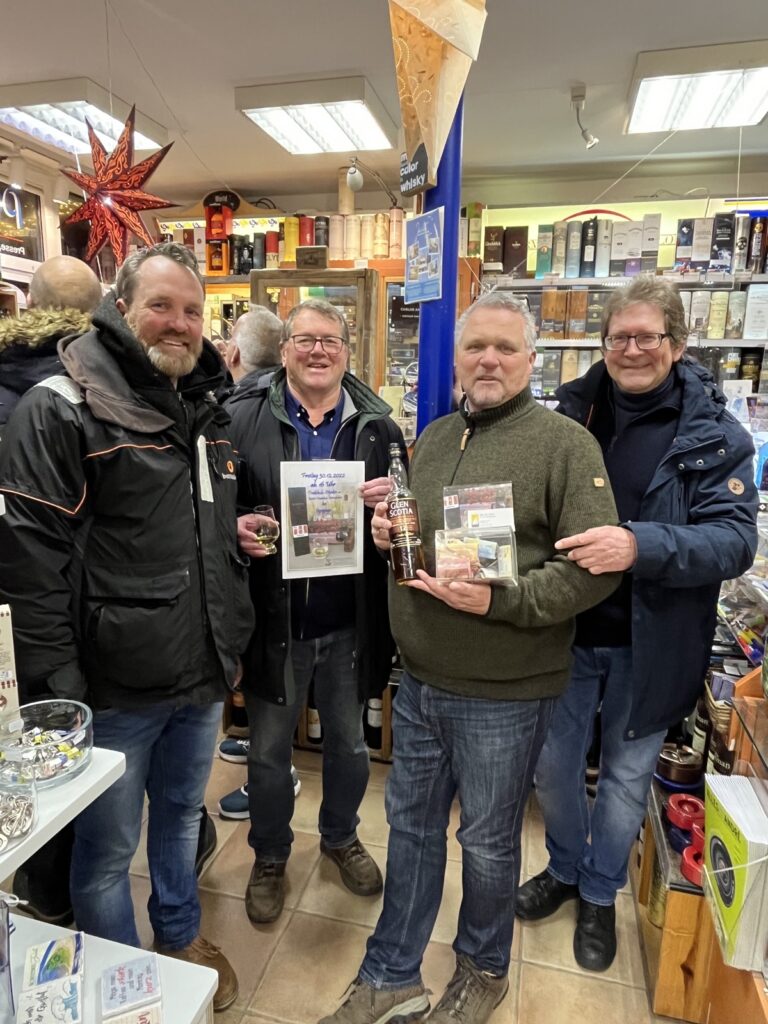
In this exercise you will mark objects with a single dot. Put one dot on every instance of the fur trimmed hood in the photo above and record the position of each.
(36, 326)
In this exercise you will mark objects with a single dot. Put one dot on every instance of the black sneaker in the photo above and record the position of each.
(594, 941)
(541, 896)
(265, 892)
(56, 911)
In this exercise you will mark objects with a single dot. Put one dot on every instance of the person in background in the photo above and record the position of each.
(483, 666)
(681, 469)
(252, 358)
(63, 293)
(330, 631)
(118, 555)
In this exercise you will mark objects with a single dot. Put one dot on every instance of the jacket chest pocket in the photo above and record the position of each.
(137, 628)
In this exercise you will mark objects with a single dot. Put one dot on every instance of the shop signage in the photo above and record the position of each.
(20, 229)
(414, 172)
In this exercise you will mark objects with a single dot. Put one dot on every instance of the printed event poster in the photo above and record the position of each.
(424, 256)
(321, 518)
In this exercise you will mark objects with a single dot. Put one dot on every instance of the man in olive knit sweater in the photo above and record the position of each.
(484, 665)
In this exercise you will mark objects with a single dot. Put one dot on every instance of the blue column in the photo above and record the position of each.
(437, 318)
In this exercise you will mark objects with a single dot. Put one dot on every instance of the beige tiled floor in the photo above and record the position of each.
(296, 970)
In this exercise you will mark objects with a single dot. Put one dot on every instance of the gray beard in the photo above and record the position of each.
(172, 366)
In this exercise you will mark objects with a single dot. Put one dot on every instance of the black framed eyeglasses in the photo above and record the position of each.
(645, 341)
(332, 344)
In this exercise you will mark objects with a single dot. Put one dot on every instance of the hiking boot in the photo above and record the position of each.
(541, 896)
(594, 941)
(358, 869)
(265, 892)
(234, 749)
(206, 842)
(471, 996)
(364, 1004)
(205, 954)
(235, 804)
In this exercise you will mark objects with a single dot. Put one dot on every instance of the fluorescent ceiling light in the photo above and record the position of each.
(54, 113)
(333, 115)
(723, 86)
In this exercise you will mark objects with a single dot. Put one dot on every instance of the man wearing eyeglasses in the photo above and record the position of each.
(329, 631)
(681, 471)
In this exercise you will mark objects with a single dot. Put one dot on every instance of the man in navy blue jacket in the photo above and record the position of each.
(681, 471)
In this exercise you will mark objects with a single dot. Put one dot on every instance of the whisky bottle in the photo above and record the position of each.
(406, 551)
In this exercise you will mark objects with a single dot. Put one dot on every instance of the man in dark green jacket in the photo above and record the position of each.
(484, 665)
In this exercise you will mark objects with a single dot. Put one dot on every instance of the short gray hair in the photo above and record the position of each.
(257, 335)
(498, 299)
(125, 285)
(323, 308)
(656, 291)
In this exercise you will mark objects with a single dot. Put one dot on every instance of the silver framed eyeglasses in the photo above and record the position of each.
(645, 341)
(332, 344)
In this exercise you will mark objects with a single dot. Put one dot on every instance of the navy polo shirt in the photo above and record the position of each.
(315, 442)
(322, 605)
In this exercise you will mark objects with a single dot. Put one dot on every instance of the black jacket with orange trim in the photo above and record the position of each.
(118, 550)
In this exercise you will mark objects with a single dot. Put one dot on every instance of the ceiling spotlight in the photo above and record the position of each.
(578, 99)
(355, 179)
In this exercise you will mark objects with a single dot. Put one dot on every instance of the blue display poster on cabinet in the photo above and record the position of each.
(424, 256)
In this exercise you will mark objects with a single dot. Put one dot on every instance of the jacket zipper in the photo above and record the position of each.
(196, 519)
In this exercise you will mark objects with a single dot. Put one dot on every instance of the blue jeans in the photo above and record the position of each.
(593, 850)
(484, 751)
(168, 753)
(330, 660)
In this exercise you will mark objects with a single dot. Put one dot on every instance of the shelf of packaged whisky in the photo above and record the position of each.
(698, 278)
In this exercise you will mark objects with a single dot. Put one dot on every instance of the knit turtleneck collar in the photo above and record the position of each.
(485, 417)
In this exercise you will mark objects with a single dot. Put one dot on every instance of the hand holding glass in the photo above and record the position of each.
(266, 529)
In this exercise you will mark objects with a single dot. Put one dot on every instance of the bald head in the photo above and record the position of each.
(63, 282)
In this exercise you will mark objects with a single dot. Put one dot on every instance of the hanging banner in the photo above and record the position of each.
(424, 256)
(435, 43)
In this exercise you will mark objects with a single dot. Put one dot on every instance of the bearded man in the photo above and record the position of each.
(118, 556)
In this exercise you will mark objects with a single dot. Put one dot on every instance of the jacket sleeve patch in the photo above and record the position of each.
(63, 386)
(735, 486)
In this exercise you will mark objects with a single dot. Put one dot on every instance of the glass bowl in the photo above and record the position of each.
(54, 745)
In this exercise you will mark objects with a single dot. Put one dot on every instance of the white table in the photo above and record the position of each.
(187, 990)
(58, 805)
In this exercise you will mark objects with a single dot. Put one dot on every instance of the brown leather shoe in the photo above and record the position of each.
(265, 893)
(205, 954)
(359, 871)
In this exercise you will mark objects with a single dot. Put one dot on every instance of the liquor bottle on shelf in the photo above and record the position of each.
(406, 552)
(259, 250)
(757, 245)
(588, 247)
(314, 726)
(544, 249)
(271, 244)
(573, 248)
(740, 242)
(321, 231)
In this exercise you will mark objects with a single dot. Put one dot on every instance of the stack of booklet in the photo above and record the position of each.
(52, 983)
(736, 866)
(130, 992)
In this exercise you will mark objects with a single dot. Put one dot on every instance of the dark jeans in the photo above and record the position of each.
(484, 752)
(330, 659)
(591, 848)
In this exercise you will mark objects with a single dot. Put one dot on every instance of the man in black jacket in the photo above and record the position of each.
(333, 630)
(118, 556)
(63, 293)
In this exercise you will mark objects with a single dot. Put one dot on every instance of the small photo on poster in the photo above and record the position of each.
(321, 518)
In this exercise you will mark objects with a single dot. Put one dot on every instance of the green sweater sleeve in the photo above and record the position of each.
(579, 498)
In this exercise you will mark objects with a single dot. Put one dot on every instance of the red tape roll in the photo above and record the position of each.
(697, 837)
(691, 864)
(685, 811)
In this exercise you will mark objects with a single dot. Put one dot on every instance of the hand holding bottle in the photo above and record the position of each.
(380, 526)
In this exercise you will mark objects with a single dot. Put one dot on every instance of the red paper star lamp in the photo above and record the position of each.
(114, 193)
